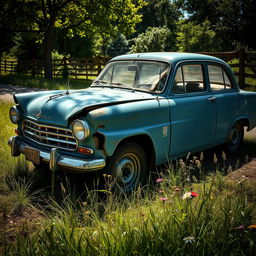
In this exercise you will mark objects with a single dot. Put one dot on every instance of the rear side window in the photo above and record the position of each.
(219, 79)
(189, 79)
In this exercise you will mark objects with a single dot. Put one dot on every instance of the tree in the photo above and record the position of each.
(161, 13)
(118, 46)
(76, 17)
(232, 20)
(154, 39)
(237, 22)
(196, 38)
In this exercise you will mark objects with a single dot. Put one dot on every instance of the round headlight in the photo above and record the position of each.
(14, 114)
(80, 130)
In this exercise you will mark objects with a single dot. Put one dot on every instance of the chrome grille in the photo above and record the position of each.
(49, 135)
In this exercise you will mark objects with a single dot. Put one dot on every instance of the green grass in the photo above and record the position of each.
(155, 220)
(40, 82)
(158, 223)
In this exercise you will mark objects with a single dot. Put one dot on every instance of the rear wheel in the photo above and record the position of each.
(235, 137)
(128, 167)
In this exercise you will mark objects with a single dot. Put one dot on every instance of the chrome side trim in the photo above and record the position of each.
(62, 161)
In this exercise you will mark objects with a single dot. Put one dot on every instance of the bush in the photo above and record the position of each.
(153, 40)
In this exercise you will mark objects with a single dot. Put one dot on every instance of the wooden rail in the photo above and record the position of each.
(243, 64)
(84, 68)
(244, 67)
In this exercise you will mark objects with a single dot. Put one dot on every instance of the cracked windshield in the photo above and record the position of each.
(148, 76)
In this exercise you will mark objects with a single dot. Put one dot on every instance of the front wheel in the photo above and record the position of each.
(235, 137)
(128, 167)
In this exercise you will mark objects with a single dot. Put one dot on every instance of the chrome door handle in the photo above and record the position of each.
(212, 99)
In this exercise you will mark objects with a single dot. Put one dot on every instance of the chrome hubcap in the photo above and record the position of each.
(128, 170)
(234, 136)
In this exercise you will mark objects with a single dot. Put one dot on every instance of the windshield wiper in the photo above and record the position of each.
(100, 82)
(57, 95)
(122, 84)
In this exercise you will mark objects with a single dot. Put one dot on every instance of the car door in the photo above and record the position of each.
(193, 112)
(226, 97)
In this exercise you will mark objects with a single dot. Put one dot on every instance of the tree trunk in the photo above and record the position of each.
(48, 45)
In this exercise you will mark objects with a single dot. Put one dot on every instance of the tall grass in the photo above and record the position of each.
(216, 222)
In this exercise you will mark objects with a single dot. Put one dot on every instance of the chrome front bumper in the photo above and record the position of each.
(55, 159)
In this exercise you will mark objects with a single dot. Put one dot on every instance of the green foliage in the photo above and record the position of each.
(196, 38)
(75, 18)
(118, 46)
(161, 13)
(237, 23)
(76, 47)
(153, 40)
(233, 20)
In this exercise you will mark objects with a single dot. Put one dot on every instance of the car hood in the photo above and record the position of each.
(56, 107)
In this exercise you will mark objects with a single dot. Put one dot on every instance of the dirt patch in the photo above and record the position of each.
(7, 91)
(247, 171)
(22, 225)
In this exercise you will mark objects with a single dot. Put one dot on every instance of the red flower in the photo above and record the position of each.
(193, 194)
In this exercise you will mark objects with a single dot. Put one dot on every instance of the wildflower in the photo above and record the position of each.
(240, 227)
(186, 195)
(161, 191)
(159, 180)
(189, 195)
(189, 239)
(177, 189)
(194, 194)
(252, 226)
(163, 199)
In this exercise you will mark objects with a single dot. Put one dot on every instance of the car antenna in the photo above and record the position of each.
(67, 92)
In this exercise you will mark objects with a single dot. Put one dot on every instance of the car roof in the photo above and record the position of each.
(171, 57)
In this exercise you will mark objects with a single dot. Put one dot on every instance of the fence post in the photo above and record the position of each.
(5, 66)
(242, 68)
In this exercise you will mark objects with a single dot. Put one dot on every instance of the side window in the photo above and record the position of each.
(189, 79)
(218, 78)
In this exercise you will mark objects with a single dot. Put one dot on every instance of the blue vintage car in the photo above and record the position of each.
(141, 111)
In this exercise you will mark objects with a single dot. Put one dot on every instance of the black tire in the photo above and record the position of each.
(128, 167)
(235, 138)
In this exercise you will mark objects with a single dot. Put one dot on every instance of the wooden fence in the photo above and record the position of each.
(84, 68)
(243, 64)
